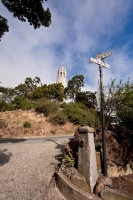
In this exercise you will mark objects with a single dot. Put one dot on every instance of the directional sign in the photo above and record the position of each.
(99, 62)
(104, 55)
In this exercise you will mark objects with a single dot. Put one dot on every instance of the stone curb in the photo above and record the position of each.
(71, 191)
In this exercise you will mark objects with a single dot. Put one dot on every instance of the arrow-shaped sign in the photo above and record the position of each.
(104, 55)
(99, 62)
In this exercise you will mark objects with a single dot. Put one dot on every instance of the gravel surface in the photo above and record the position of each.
(26, 170)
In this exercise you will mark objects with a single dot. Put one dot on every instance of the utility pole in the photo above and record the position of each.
(99, 60)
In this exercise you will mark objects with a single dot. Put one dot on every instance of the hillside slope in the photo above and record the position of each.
(12, 125)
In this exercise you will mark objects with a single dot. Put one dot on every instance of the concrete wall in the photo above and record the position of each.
(87, 156)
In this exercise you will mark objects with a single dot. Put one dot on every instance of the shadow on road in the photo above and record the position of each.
(12, 140)
(60, 156)
(58, 146)
(4, 156)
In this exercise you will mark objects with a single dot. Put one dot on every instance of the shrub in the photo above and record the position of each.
(6, 106)
(62, 105)
(47, 107)
(79, 114)
(53, 131)
(3, 104)
(22, 103)
(59, 118)
(27, 124)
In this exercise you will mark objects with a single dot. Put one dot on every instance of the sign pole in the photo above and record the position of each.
(99, 60)
(104, 163)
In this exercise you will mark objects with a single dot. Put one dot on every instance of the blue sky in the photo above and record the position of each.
(79, 31)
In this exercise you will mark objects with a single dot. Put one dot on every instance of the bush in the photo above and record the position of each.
(59, 118)
(6, 106)
(62, 105)
(53, 131)
(79, 114)
(47, 107)
(27, 124)
(22, 103)
(2, 105)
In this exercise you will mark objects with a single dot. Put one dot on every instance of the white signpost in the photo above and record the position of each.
(99, 62)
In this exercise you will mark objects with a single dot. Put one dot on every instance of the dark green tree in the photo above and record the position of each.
(74, 86)
(40, 92)
(28, 87)
(30, 10)
(87, 98)
(3, 26)
(21, 90)
(56, 92)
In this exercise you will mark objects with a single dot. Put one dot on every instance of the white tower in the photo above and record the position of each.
(61, 76)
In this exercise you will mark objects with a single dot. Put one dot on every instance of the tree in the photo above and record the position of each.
(119, 103)
(3, 26)
(32, 10)
(74, 86)
(7, 94)
(40, 92)
(56, 92)
(52, 92)
(28, 87)
(87, 98)
(21, 90)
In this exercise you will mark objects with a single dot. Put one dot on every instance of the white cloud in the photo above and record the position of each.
(79, 31)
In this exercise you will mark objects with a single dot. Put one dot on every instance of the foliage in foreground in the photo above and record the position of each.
(32, 11)
(119, 103)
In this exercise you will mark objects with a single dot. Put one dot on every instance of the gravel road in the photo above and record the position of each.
(26, 170)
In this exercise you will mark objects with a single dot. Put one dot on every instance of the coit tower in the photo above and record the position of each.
(61, 76)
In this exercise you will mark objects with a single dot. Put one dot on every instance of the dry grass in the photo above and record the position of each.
(40, 125)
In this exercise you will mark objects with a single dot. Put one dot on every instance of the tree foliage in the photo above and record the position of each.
(87, 98)
(52, 92)
(30, 10)
(26, 89)
(3, 26)
(119, 102)
(74, 86)
(56, 92)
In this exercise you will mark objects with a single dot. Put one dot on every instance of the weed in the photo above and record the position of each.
(69, 162)
(53, 131)
(27, 124)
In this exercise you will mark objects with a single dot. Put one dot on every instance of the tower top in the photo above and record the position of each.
(61, 76)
